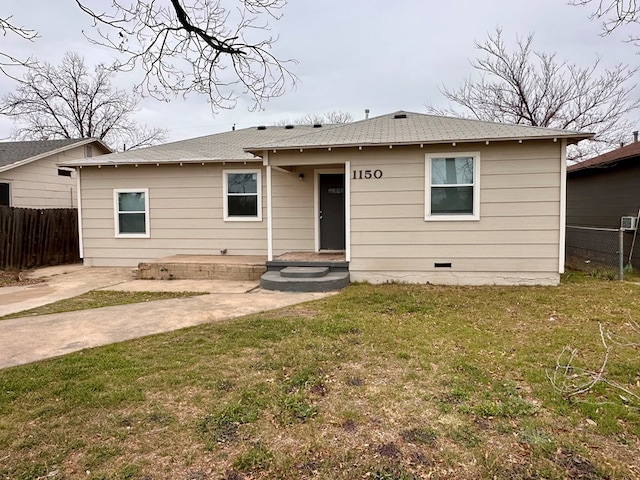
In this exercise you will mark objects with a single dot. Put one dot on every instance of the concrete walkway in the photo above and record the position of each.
(29, 339)
(64, 281)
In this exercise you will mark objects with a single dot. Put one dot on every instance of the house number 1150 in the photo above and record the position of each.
(366, 174)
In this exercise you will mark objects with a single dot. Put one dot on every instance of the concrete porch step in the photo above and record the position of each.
(304, 272)
(273, 280)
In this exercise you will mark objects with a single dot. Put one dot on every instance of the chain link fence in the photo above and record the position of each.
(591, 248)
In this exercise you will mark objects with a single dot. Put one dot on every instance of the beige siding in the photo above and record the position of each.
(293, 199)
(293, 211)
(38, 185)
(516, 239)
(185, 214)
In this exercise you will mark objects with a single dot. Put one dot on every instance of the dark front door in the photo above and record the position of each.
(332, 211)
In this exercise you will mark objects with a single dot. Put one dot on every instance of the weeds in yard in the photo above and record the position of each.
(222, 427)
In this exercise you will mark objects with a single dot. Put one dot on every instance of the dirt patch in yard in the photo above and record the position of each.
(16, 278)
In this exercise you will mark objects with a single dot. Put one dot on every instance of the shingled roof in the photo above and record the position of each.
(219, 147)
(399, 128)
(606, 159)
(409, 128)
(13, 154)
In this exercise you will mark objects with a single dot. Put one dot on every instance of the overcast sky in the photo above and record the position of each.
(382, 55)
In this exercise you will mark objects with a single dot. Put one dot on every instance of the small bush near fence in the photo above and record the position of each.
(32, 237)
(591, 248)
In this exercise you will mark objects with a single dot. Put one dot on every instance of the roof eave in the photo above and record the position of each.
(571, 139)
(179, 161)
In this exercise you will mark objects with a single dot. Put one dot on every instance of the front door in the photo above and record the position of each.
(332, 211)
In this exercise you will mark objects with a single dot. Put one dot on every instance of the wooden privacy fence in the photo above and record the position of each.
(32, 237)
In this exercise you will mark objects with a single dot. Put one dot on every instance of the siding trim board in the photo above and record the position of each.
(563, 206)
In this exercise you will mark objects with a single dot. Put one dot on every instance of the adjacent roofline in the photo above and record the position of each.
(79, 143)
(609, 159)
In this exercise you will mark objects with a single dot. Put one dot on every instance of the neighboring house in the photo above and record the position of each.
(599, 192)
(31, 178)
(408, 197)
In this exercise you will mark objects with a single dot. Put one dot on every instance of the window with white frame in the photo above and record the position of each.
(131, 212)
(242, 195)
(452, 186)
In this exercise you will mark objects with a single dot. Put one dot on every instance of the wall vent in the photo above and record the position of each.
(442, 265)
(628, 223)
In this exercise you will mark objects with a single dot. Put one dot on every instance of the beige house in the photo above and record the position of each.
(405, 197)
(31, 178)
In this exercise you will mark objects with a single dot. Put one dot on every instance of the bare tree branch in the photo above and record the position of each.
(6, 59)
(526, 87)
(570, 381)
(614, 14)
(196, 46)
(68, 101)
(187, 46)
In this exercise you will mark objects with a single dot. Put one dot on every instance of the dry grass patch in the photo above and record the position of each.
(389, 382)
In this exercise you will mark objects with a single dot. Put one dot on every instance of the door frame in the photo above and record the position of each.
(347, 203)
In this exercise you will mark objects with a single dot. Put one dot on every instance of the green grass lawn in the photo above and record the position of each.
(99, 299)
(391, 382)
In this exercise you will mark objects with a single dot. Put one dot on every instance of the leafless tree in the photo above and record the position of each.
(213, 47)
(335, 116)
(68, 101)
(527, 87)
(614, 14)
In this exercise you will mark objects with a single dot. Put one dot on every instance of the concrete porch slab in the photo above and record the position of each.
(204, 267)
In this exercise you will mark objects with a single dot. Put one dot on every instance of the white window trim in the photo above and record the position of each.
(225, 203)
(116, 212)
(476, 188)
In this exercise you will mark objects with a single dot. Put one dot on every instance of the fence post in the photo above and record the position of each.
(621, 255)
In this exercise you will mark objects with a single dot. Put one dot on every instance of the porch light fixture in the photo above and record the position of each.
(301, 177)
